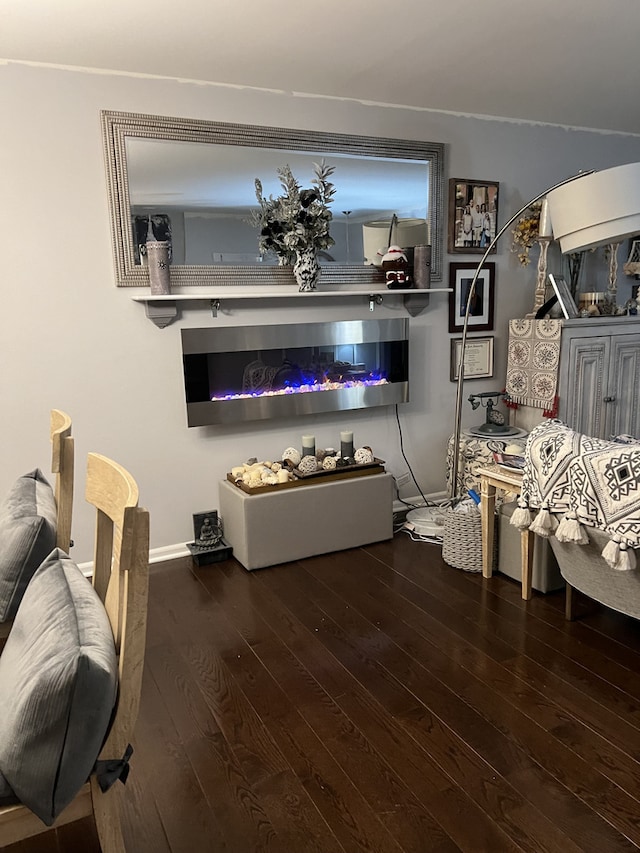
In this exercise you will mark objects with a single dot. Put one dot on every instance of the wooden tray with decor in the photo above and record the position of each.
(322, 476)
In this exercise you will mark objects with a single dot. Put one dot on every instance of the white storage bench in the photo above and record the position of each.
(281, 526)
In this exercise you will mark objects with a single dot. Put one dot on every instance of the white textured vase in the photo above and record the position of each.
(306, 270)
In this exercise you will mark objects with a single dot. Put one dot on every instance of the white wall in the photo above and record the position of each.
(71, 339)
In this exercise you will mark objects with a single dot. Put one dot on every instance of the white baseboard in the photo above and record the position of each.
(168, 552)
(156, 555)
(416, 500)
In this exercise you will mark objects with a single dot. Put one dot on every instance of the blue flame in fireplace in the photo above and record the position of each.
(307, 386)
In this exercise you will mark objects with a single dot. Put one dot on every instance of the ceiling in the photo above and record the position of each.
(574, 63)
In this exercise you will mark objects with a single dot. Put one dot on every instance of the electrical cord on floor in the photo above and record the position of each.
(417, 537)
(401, 524)
(402, 500)
(445, 502)
(404, 456)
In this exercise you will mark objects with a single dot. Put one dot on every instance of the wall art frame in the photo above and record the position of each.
(478, 358)
(482, 309)
(473, 215)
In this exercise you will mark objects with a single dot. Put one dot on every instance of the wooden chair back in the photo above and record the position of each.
(121, 579)
(62, 465)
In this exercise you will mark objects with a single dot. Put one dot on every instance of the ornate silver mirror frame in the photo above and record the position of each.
(118, 126)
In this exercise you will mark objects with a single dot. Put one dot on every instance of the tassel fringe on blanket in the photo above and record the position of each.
(570, 530)
(544, 523)
(521, 518)
(618, 556)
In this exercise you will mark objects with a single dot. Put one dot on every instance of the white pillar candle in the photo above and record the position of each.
(283, 475)
(308, 445)
(346, 443)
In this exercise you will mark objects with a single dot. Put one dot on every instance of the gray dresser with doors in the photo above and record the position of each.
(599, 376)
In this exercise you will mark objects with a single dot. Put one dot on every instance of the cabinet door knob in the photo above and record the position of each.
(609, 399)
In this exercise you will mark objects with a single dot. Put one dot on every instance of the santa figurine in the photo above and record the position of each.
(396, 268)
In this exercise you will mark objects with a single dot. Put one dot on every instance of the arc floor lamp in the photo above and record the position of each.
(584, 211)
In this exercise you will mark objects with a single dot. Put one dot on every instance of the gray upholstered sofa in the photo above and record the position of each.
(584, 569)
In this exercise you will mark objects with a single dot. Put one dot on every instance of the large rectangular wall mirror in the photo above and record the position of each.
(195, 180)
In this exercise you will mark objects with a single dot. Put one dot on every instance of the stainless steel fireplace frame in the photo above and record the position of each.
(203, 412)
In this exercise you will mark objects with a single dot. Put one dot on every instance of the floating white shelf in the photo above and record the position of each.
(163, 309)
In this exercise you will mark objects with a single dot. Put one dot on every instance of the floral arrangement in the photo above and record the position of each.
(525, 233)
(299, 218)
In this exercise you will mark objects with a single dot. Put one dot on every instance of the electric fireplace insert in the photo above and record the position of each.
(250, 373)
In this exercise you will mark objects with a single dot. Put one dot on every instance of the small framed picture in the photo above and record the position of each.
(482, 305)
(563, 295)
(478, 358)
(473, 215)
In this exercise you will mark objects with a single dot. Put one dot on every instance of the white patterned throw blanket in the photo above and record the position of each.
(587, 481)
(532, 362)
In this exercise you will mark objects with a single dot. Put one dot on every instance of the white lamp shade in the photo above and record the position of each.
(375, 237)
(601, 208)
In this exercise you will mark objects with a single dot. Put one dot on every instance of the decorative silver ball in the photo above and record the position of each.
(292, 454)
(308, 464)
(329, 463)
(363, 456)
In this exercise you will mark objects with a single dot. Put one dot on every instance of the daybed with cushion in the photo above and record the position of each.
(71, 673)
(587, 495)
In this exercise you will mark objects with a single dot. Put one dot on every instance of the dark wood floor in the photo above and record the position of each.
(378, 700)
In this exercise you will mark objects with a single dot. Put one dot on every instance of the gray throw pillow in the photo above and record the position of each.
(58, 685)
(28, 519)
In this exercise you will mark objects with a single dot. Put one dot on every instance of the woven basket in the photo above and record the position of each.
(462, 540)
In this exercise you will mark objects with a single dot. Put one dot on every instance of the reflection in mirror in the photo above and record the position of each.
(193, 182)
(207, 192)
